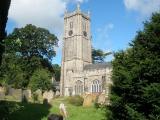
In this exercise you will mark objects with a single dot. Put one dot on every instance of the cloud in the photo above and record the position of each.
(42, 13)
(144, 7)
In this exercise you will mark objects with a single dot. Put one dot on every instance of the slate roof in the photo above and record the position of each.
(98, 66)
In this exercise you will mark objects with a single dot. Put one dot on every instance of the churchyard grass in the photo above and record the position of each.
(78, 112)
(40, 112)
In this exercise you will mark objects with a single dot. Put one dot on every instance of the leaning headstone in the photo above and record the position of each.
(87, 100)
(57, 93)
(39, 94)
(101, 99)
(48, 95)
(2, 93)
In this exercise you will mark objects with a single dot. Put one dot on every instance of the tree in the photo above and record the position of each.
(32, 41)
(27, 49)
(13, 74)
(41, 79)
(57, 72)
(98, 55)
(136, 77)
(4, 7)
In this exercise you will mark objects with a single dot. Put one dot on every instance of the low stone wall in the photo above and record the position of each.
(48, 95)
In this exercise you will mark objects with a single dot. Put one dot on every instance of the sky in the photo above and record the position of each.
(114, 23)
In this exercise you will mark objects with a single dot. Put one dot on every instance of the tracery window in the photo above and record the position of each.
(79, 87)
(96, 86)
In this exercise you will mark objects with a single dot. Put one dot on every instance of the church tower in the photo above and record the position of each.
(76, 51)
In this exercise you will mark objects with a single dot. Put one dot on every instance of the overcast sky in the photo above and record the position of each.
(114, 23)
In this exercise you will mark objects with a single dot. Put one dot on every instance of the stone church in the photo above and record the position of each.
(78, 75)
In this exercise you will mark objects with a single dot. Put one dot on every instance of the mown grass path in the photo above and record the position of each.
(32, 111)
(78, 112)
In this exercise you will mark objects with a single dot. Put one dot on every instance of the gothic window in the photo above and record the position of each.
(79, 87)
(96, 86)
(71, 25)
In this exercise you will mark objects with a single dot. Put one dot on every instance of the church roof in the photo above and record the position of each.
(98, 66)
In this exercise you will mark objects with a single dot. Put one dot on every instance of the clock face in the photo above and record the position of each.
(85, 33)
(70, 32)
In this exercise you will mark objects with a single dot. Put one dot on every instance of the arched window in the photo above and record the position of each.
(79, 87)
(96, 86)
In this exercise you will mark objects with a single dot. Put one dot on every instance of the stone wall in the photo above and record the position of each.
(20, 95)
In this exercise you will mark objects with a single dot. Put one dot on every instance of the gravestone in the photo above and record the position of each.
(48, 95)
(16, 94)
(89, 99)
(39, 94)
(27, 94)
(57, 93)
(101, 99)
(2, 93)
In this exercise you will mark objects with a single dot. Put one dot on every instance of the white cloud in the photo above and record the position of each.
(42, 13)
(145, 7)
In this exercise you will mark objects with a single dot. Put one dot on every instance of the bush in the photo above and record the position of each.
(7, 108)
(76, 100)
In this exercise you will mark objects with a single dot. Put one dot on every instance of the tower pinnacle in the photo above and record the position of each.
(78, 6)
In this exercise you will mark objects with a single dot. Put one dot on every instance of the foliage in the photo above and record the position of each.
(32, 41)
(7, 108)
(12, 73)
(41, 79)
(57, 72)
(136, 75)
(76, 100)
(30, 111)
(27, 49)
(4, 7)
(98, 56)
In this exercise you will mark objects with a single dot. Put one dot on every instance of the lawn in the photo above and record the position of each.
(40, 112)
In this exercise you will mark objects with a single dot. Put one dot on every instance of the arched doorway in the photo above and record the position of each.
(78, 87)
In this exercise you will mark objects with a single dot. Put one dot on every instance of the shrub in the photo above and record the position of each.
(7, 108)
(76, 100)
